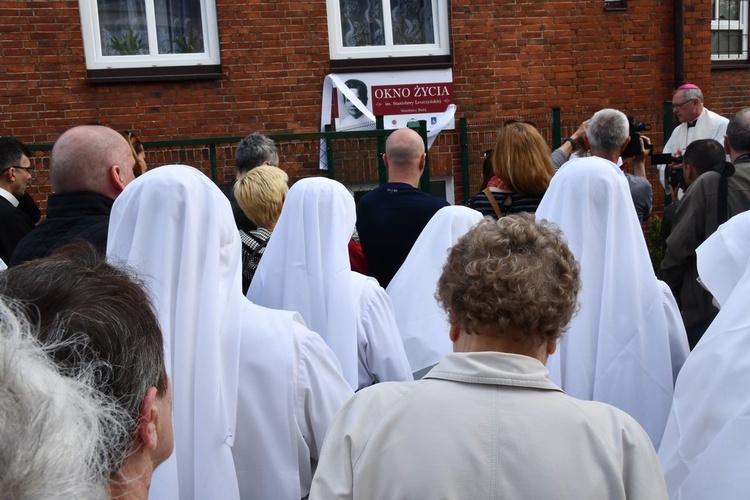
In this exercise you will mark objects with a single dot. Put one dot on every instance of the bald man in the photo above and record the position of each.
(391, 217)
(89, 167)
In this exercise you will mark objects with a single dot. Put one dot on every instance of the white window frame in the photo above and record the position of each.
(95, 60)
(441, 46)
(731, 25)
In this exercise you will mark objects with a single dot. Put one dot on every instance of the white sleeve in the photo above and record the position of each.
(321, 390)
(379, 340)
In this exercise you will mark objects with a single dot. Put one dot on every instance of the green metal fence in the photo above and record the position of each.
(355, 158)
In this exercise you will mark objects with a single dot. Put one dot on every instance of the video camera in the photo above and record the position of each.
(673, 176)
(634, 146)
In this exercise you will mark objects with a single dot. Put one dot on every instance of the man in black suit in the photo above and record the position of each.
(18, 212)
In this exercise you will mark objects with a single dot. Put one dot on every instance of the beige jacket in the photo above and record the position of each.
(484, 425)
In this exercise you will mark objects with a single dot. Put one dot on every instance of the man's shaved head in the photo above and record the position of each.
(404, 148)
(82, 159)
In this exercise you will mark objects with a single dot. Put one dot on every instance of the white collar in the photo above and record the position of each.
(9, 196)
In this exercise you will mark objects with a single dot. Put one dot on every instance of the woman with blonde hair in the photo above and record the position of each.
(521, 162)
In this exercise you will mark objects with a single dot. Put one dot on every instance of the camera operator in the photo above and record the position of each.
(710, 199)
(640, 188)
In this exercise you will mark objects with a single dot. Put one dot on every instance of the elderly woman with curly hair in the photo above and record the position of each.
(523, 169)
(486, 422)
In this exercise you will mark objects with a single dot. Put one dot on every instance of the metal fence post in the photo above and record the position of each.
(556, 128)
(464, 140)
(382, 173)
(214, 167)
(421, 128)
(329, 154)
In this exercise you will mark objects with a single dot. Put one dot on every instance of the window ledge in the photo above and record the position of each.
(719, 65)
(391, 63)
(167, 73)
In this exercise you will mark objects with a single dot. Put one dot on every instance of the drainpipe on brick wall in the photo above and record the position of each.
(679, 43)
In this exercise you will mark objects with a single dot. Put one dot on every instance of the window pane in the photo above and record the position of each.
(729, 9)
(122, 27)
(362, 23)
(179, 26)
(726, 42)
(412, 22)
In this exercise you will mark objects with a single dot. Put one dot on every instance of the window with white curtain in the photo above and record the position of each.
(362, 29)
(120, 34)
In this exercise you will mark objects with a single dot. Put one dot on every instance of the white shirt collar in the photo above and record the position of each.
(9, 196)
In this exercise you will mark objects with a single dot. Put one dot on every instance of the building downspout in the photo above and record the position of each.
(679, 43)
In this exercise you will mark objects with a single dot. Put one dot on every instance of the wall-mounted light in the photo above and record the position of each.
(615, 4)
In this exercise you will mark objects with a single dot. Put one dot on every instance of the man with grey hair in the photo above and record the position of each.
(88, 312)
(607, 135)
(710, 200)
(253, 151)
(89, 167)
(696, 122)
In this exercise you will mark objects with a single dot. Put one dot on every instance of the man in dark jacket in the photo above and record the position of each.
(18, 212)
(89, 167)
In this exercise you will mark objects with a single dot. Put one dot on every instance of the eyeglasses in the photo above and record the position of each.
(28, 169)
(678, 106)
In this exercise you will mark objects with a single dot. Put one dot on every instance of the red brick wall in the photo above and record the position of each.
(511, 58)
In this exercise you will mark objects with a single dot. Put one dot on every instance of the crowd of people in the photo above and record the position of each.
(163, 337)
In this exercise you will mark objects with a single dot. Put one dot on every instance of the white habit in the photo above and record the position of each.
(624, 346)
(421, 321)
(254, 390)
(306, 268)
(708, 125)
(705, 451)
(484, 425)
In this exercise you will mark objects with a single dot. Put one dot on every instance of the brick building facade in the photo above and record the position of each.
(508, 58)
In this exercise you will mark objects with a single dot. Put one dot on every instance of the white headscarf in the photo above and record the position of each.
(422, 322)
(705, 451)
(305, 267)
(617, 349)
(175, 227)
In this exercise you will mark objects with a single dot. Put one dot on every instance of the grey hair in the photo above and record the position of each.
(55, 430)
(690, 94)
(255, 150)
(607, 130)
(738, 130)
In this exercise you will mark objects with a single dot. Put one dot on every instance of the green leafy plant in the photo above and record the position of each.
(128, 44)
(188, 44)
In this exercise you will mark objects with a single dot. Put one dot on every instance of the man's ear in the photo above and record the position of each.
(148, 420)
(727, 147)
(625, 144)
(422, 161)
(117, 178)
(454, 332)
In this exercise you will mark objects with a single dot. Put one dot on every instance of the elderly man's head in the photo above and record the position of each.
(75, 297)
(511, 279)
(687, 102)
(737, 141)
(253, 151)
(91, 158)
(607, 133)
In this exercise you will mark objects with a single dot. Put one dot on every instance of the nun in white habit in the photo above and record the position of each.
(245, 379)
(423, 324)
(627, 341)
(704, 452)
(306, 268)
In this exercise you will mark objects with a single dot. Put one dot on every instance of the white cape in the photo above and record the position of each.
(175, 227)
(306, 268)
(422, 322)
(618, 348)
(705, 451)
